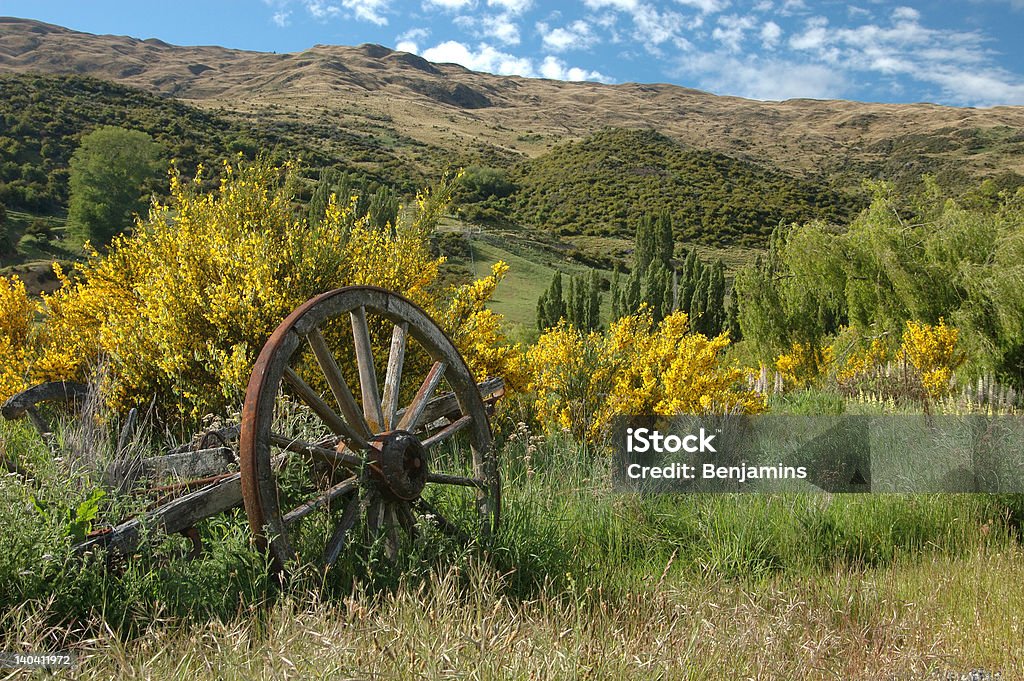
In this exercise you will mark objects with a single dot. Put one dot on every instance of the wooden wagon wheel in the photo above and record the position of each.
(376, 471)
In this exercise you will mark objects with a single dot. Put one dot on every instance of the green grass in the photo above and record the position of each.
(530, 274)
(580, 582)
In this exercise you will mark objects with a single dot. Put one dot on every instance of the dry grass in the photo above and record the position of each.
(913, 620)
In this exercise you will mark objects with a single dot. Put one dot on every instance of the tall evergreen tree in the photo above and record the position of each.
(551, 304)
(732, 324)
(615, 293)
(594, 301)
(651, 279)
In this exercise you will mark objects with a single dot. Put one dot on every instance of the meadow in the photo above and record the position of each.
(580, 582)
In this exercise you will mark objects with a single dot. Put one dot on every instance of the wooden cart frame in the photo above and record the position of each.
(368, 471)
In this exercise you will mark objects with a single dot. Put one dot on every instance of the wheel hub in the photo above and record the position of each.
(398, 465)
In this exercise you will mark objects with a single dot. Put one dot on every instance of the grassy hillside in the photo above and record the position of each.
(603, 184)
(43, 118)
(532, 266)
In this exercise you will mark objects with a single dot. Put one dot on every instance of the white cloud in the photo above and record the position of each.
(987, 88)
(555, 69)
(705, 6)
(409, 40)
(484, 58)
(654, 28)
(731, 29)
(814, 36)
(958, 64)
(326, 10)
(575, 36)
(498, 27)
(489, 59)
(770, 34)
(624, 5)
(502, 28)
(905, 14)
(790, 7)
(511, 6)
(762, 79)
(318, 9)
(448, 4)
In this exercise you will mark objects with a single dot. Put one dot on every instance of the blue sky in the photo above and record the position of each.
(958, 52)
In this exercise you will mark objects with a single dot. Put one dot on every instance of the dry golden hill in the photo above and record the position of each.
(449, 107)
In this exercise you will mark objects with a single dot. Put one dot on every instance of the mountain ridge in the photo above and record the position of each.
(447, 106)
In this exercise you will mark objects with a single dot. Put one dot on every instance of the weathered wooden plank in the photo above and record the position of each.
(174, 516)
(183, 465)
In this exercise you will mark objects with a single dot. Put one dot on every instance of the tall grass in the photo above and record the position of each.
(580, 582)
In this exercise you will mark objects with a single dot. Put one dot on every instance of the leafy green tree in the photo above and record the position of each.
(112, 172)
(581, 305)
(551, 304)
(377, 203)
(918, 258)
(615, 293)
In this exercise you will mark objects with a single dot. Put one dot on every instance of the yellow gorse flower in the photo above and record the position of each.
(932, 350)
(582, 381)
(181, 306)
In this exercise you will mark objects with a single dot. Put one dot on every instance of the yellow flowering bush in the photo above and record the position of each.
(931, 349)
(920, 369)
(181, 307)
(863, 361)
(17, 313)
(581, 381)
(803, 364)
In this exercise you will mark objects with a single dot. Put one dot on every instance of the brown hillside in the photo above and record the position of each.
(448, 106)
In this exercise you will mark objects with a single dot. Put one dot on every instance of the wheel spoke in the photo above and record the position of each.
(367, 373)
(337, 541)
(443, 479)
(333, 457)
(317, 497)
(307, 507)
(443, 523)
(390, 532)
(447, 431)
(342, 394)
(375, 516)
(393, 379)
(414, 411)
(322, 409)
(406, 519)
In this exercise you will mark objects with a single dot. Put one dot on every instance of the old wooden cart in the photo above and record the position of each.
(317, 469)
